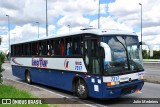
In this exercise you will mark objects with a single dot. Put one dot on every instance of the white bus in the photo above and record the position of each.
(92, 62)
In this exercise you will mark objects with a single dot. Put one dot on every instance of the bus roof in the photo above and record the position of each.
(85, 31)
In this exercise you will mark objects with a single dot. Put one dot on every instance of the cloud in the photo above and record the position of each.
(110, 23)
(74, 20)
(129, 12)
(12, 6)
(29, 11)
(117, 14)
(27, 32)
(66, 30)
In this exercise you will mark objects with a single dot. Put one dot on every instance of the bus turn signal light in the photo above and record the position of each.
(108, 84)
(112, 83)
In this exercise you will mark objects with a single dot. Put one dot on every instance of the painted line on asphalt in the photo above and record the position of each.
(60, 94)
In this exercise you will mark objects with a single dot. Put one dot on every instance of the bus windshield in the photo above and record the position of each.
(125, 55)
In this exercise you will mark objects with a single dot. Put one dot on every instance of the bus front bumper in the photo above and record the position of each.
(123, 89)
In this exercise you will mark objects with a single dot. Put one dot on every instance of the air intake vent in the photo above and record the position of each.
(88, 28)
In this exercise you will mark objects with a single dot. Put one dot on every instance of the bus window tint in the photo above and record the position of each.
(62, 47)
(77, 46)
(12, 50)
(52, 47)
(44, 47)
(68, 46)
(57, 47)
(34, 48)
(24, 49)
(48, 48)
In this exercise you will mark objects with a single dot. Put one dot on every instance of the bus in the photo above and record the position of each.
(90, 63)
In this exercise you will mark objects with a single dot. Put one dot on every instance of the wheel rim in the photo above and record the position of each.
(81, 89)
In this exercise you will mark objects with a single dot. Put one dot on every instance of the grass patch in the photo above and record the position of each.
(12, 92)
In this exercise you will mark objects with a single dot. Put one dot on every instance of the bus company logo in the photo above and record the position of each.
(14, 61)
(66, 63)
(140, 74)
(78, 65)
(39, 62)
(6, 101)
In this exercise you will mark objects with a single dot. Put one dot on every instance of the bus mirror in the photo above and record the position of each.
(140, 43)
(107, 51)
(149, 46)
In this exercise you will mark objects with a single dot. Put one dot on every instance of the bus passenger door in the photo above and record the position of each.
(93, 65)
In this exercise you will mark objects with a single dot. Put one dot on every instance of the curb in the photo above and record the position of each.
(152, 79)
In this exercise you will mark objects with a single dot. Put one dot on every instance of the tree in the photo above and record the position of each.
(1, 68)
(0, 40)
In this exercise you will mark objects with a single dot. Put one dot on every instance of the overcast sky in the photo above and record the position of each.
(115, 14)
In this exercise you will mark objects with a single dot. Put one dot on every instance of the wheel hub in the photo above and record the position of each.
(81, 89)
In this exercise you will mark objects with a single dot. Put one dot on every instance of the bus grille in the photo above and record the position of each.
(129, 90)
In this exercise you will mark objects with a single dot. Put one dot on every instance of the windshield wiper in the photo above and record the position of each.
(126, 54)
(136, 65)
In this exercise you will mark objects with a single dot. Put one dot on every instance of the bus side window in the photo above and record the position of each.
(86, 53)
(68, 46)
(48, 48)
(57, 47)
(12, 50)
(77, 46)
(52, 47)
(44, 47)
(29, 49)
(62, 47)
(34, 48)
(24, 49)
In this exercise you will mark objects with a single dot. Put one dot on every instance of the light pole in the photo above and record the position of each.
(99, 14)
(69, 28)
(14, 36)
(8, 34)
(46, 21)
(38, 28)
(141, 23)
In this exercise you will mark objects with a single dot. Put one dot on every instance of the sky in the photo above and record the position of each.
(78, 14)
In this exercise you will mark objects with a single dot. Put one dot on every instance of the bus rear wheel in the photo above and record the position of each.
(81, 89)
(28, 77)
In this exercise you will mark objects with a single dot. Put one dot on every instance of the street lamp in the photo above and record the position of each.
(99, 14)
(8, 33)
(38, 28)
(141, 23)
(14, 36)
(69, 28)
(46, 21)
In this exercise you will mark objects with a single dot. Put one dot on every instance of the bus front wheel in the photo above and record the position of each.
(81, 89)
(28, 77)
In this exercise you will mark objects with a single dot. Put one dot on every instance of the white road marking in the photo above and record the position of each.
(61, 95)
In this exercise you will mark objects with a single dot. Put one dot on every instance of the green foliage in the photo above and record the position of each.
(0, 40)
(12, 92)
(2, 57)
(156, 55)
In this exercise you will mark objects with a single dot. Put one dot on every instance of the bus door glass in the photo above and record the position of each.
(92, 61)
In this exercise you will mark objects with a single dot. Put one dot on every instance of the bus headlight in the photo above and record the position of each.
(112, 83)
(141, 77)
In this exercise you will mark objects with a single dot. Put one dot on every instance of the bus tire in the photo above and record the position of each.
(28, 77)
(81, 89)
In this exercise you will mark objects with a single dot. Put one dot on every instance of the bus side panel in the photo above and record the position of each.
(95, 86)
(18, 72)
(54, 78)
